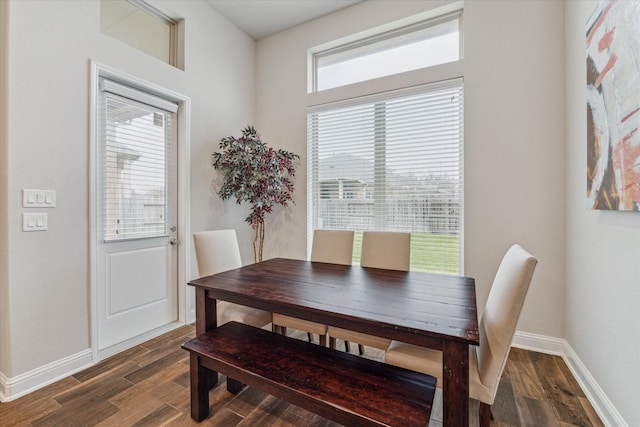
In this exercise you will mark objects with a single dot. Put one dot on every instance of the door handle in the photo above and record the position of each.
(174, 242)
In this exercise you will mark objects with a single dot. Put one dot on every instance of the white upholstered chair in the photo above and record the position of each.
(380, 249)
(330, 246)
(218, 251)
(387, 250)
(497, 328)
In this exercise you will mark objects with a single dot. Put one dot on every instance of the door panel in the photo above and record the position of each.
(132, 288)
(137, 259)
(138, 294)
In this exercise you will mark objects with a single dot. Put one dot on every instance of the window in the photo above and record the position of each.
(421, 45)
(136, 139)
(392, 162)
(140, 25)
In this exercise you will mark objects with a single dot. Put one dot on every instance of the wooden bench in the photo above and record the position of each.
(348, 389)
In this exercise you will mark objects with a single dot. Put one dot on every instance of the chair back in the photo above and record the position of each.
(500, 318)
(387, 250)
(216, 251)
(332, 246)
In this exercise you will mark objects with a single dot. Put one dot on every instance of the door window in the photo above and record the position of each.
(135, 160)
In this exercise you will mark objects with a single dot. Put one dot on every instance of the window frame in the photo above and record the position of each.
(380, 196)
(175, 53)
(169, 21)
(388, 84)
(321, 52)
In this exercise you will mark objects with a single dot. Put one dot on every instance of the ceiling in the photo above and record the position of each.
(261, 18)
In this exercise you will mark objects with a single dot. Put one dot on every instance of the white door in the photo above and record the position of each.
(137, 271)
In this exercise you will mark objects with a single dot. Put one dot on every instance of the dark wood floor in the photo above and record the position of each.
(148, 385)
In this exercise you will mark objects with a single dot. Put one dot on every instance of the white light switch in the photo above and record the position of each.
(38, 198)
(34, 221)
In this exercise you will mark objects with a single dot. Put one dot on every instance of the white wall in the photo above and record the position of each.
(603, 272)
(514, 133)
(4, 267)
(46, 314)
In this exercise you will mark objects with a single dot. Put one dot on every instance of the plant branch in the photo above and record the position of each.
(257, 174)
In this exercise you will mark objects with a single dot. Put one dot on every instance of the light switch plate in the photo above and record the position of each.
(34, 221)
(38, 198)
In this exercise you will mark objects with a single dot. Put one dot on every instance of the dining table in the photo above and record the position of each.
(431, 310)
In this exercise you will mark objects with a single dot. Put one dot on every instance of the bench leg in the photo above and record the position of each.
(234, 386)
(202, 380)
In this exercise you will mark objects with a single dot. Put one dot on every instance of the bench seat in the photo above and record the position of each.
(339, 386)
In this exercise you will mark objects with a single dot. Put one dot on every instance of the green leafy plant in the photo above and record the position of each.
(257, 174)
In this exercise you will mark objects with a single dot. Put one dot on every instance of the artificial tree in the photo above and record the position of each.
(255, 173)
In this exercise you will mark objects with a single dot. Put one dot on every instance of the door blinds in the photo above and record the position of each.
(135, 131)
(392, 162)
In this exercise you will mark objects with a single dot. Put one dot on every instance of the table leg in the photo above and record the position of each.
(206, 312)
(455, 384)
(199, 378)
(206, 319)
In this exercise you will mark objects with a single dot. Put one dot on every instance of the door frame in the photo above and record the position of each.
(185, 314)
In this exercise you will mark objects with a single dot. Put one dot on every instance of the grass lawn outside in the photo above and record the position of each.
(435, 253)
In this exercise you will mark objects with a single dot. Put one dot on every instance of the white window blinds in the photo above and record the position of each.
(135, 134)
(392, 162)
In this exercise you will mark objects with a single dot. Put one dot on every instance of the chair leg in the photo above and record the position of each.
(332, 342)
(323, 340)
(485, 414)
(309, 337)
(274, 328)
(347, 347)
(283, 330)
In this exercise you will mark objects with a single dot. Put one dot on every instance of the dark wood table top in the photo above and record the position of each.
(418, 308)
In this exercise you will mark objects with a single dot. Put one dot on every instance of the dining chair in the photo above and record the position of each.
(328, 246)
(380, 249)
(387, 250)
(218, 251)
(497, 328)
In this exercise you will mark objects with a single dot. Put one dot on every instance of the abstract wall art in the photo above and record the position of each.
(613, 106)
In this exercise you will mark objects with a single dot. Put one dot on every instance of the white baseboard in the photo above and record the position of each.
(12, 388)
(558, 346)
(132, 342)
(539, 343)
(601, 403)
